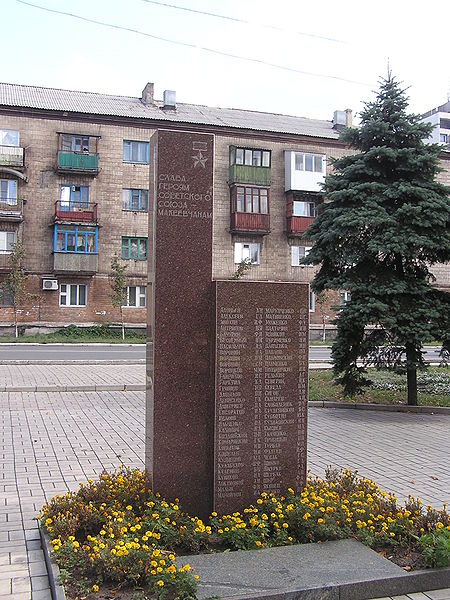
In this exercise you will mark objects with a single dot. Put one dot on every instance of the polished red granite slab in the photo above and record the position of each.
(261, 390)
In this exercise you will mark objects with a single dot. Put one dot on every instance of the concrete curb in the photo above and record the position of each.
(56, 588)
(82, 361)
(442, 410)
(127, 387)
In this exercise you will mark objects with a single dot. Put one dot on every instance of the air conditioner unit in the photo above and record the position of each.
(49, 284)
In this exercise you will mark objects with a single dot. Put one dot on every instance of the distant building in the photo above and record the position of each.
(77, 186)
(440, 118)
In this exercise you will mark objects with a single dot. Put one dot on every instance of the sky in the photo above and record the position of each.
(328, 55)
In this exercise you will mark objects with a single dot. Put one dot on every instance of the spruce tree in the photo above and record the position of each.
(384, 223)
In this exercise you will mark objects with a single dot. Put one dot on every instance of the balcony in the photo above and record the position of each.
(249, 174)
(84, 163)
(65, 262)
(304, 172)
(256, 223)
(75, 212)
(5, 267)
(12, 156)
(296, 226)
(11, 210)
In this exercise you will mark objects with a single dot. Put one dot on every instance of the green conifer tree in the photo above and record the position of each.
(384, 223)
(117, 284)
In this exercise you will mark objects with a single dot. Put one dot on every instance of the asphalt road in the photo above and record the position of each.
(124, 352)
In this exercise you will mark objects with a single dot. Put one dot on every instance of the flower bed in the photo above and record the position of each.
(117, 532)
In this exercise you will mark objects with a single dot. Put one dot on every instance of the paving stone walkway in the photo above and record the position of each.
(51, 441)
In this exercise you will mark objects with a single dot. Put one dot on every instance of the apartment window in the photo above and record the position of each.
(74, 196)
(250, 200)
(8, 191)
(297, 254)
(312, 302)
(309, 162)
(303, 209)
(7, 241)
(248, 252)
(137, 152)
(136, 200)
(134, 248)
(249, 156)
(443, 137)
(6, 296)
(74, 143)
(135, 296)
(344, 297)
(9, 137)
(72, 294)
(78, 239)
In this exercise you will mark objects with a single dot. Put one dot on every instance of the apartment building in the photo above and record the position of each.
(439, 117)
(76, 187)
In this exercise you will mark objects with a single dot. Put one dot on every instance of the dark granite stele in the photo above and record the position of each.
(338, 570)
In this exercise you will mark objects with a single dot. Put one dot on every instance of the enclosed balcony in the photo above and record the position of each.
(75, 263)
(249, 210)
(304, 171)
(11, 209)
(249, 165)
(77, 154)
(300, 212)
(75, 212)
(13, 157)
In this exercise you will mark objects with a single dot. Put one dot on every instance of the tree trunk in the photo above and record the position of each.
(123, 326)
(324, 336)
(16, 329)
(411, 375)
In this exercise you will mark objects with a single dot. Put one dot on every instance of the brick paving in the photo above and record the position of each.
(51, 441)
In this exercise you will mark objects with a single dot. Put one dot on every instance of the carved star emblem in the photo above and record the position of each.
(199, 159)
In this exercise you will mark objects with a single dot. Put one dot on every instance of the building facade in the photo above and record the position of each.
(76, 189)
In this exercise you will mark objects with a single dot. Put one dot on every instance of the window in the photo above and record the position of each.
(250, 157)
(136, 200)
(74, 196)
(6, 296)
(312, 302)
(8, 191)
(309, 162)
(443, 137)
(249, 252)
(74, 143)
(9, 137)
(250, 200)
(137, 152)
(344, 297)
(78, 239)
(135, 296)
(7, 241)
(134, 248)
(72, 294)
(303, 209)
(297, 253)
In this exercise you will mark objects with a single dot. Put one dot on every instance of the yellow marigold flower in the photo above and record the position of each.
(259, 501)
(128, 507)
(258, 543)
(160, 582)
(320, 521)
(102, 532)
(439, 525)
(285, 525)
(95, 588)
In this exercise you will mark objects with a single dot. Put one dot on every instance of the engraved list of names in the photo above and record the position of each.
(261, 390)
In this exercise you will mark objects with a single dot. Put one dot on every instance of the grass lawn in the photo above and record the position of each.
(387, 387)
(101, 334)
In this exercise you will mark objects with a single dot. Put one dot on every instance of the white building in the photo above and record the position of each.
(440, 118)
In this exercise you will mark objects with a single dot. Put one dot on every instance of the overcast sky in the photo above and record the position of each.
(336, 51)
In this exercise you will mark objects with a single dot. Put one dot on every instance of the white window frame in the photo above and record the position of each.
(138, 145)
(140, 296)
(65, 290)
(302, 160)
(344, 297)
(246, 251)
(5, 133)
(297, 253)
(312, 302)
(7, 241)
(308, 207)
(10, 185)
